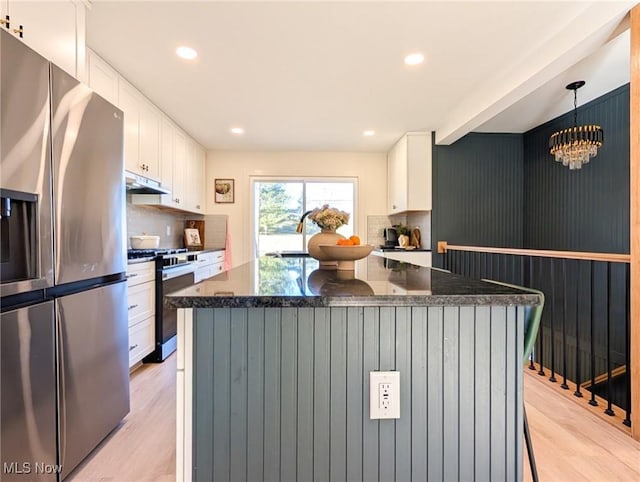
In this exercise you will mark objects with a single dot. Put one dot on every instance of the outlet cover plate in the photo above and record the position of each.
(384, 395)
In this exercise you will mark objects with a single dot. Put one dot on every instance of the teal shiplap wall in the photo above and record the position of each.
(585, 209)
(477, 191)
(506, 189)
(283, 394)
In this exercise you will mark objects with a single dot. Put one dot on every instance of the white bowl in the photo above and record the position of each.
(144, 242)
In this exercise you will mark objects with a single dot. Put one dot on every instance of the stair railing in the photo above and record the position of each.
(584, 337)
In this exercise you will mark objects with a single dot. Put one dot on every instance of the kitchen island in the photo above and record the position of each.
(273, 374)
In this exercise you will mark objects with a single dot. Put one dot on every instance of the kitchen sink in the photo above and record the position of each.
(288, 254)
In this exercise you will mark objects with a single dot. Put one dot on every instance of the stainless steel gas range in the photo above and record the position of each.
(174, 270)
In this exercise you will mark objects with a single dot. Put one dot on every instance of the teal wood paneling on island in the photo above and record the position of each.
(282, 393)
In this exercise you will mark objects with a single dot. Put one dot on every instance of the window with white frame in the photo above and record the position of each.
(278, 205)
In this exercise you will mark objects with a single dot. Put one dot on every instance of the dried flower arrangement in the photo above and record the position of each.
(329, 218)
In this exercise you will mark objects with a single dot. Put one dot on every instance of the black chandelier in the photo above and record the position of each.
(576, 145)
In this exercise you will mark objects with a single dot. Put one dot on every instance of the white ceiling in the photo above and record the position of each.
(313, 75)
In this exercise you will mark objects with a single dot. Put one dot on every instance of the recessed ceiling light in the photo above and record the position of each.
(186, 53)
(369, 133)
(414, 59)
(237, 130)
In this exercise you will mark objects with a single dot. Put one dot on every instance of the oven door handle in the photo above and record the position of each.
(178, 271)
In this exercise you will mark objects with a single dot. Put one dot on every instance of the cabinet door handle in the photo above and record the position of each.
(133, 347)
(198, 206)
(18, 31)
(132, 307)
(5, 21)
(132, 275)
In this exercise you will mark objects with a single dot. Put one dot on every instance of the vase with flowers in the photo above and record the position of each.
(328, 219)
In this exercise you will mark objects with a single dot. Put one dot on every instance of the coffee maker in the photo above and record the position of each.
(390, 237)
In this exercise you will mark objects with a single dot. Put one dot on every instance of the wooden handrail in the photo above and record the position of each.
(443, 247)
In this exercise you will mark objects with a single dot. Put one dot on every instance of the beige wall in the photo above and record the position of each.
(370, 169)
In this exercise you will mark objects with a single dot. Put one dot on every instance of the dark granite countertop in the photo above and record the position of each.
(297, 282)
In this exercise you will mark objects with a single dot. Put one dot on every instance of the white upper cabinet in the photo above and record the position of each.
(409, 173)
(129, 102)
(195, 174)
(141, 132)
(102, 78)
(178, 193)
(150, 140)
(54, 29)
(167, 152)
(154, 146)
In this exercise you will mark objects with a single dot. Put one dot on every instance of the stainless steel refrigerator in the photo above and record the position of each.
(64, 379)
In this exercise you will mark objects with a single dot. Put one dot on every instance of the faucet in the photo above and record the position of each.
(301, 222)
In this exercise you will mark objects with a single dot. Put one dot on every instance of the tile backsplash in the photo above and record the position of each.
(215, 231)
(415, 219)
(157, 222)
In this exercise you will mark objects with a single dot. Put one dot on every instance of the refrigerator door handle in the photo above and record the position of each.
(62, 407)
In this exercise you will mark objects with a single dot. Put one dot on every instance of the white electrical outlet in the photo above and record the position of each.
(384, 395)
(168, 230)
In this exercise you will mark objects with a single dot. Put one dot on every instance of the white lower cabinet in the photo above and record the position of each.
(141, 306)
(210, 264)
(141, 339)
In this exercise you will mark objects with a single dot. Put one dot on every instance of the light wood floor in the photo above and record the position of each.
(143, 447)
(570, 444)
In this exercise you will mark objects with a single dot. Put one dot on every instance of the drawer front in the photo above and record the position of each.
(206, 258)
(201, 273)
(141, 340)
(211, 257)
(218, 256)
(140, 273)
(141, 302)
(217, 269)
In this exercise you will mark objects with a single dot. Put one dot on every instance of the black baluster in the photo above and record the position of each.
(552, 378)
(578, 393)
(531, 365)
(472, 257)
(564, 325)
(627, 355)
(540, 333)
(467, 271)
(490, 270)
(592, 343)
(609, 411)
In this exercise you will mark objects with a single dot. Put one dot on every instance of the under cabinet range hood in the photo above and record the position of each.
(137, 184)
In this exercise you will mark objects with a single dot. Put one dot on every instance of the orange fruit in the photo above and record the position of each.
(355, 239)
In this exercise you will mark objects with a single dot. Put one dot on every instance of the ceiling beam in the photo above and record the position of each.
(581, 37)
